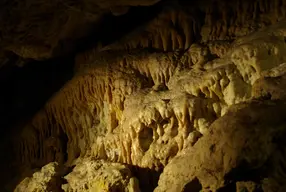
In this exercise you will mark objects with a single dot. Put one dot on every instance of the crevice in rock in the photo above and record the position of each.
(148, 178)
(231, 187)
(194, 186)
(244, 172)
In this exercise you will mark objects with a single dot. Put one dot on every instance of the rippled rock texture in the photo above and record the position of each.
(196, 94)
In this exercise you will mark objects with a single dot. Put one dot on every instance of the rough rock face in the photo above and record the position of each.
(143, 108)
(246, 144)
(197, 92)
(40, 30)
(216, 23)
(92, 175)
(47, 179)
(87, 175)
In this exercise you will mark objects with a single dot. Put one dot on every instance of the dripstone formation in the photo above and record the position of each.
(190, 99)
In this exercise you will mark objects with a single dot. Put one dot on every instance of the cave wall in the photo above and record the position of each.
(155, 90)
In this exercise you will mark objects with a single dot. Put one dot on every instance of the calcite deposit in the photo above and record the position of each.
(93, 175)
(46, 179)
(195, 94)
(246, 144)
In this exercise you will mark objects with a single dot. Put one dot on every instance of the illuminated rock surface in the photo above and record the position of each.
(91, 175)
(47, 179)
(196, 94)
(246, 144)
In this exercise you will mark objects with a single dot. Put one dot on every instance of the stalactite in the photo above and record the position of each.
(140, 108)
(244, 15)
(159, 31)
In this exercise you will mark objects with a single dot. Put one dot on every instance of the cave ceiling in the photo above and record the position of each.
(130, 95)
(41, 30)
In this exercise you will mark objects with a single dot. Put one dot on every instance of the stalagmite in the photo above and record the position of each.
(154, 99)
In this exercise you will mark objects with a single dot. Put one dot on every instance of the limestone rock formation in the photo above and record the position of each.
(246, 144)
(92, 175)
(87, 175)
(271, 85)
(40, 30)
(47, 179)
(196, 91)
(217, 23)
(140, 108)
(143, 109)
